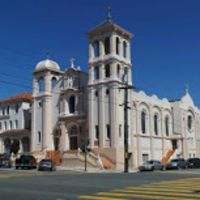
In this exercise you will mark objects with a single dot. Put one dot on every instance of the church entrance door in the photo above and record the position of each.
(73, 138)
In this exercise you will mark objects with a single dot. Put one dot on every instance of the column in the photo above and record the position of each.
(91, 75)
(113, 115)
(129, 76)
(113, 67)
(46, 118)
(62, 142)
(120, 47)
(91, 52)
(101, 72)
(91, 116)
(33, 128)
(112, 44)
(102, 129)
(138, 131)
(35, 86)
(101, 48)
(128, 51)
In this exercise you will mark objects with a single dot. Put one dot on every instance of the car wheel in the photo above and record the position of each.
(16, 167)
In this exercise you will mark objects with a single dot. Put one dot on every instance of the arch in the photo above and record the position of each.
(14, 148)
(72, 104)
(7, 146)
(124, 49)
(53, 82)
(41, 84)
(107, 45)
(117, 45)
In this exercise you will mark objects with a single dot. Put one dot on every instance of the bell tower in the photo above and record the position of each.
(109, 61)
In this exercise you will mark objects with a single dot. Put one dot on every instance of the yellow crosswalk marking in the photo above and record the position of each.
(181, 189)
(99, 198)
(141, 196)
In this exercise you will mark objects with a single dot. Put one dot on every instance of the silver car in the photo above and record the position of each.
(151, 165)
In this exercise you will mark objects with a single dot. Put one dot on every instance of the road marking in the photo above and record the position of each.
(181, 189)
(99, 198)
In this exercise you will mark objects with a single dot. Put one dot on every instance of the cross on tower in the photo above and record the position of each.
(72, 61)
(186, 88)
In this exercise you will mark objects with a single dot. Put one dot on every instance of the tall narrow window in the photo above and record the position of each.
(118, 70)
(107, 70)
(11, 126)
(16, 108)
(16, 124)
(5, 125)
(97, 132)
(96, 73)
(117, 46)
(107, 45)
(189, 122)
(53, 82)
(39, 137)
(156, 124)
(143, 122)
(41, 85)
(167, 126)
(108, 131)
(8, 110)
(96, 48)
(124, 49)
(120, 130)
(72, 104)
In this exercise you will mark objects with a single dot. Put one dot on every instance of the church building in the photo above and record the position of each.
(71, 106)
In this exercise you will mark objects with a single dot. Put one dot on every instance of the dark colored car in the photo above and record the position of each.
(193, 162)
(178, 163)
(151, 165)
(26, 162)
(5, 161)
(46, 165)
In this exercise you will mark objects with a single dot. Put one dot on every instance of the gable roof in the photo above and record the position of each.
(26, 97)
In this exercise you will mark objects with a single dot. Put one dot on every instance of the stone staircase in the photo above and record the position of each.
(77, 159)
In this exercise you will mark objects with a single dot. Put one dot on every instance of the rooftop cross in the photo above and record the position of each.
(109, 17)
(47, 54)
(72, 60)
(186, 88)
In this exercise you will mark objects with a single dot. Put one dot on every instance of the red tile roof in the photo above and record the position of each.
(15, 132)
(21, 97)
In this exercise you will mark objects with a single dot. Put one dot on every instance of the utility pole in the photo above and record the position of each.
(126, 107)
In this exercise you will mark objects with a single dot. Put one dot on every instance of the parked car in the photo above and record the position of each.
(5, 161)
(26, 162)
(151, 165)
(46, 165)
(178, 163)
(193, 162)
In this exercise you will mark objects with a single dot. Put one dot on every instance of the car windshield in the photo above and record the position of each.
(46, 162)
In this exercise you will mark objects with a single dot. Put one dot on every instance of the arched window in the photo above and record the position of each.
(120, 130)
(96, 73)
(156, 124)
(124, 49)
(96, 48)
(72, 104)
(117, 46)
(53, 82)
(107, 70)
(143, 122)
(41, 85)
(167, 126)
(189, 122)
(107, 45)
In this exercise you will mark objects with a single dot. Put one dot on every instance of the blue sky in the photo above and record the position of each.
(165, 47)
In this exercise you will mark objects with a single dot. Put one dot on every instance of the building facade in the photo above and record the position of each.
(15, 124)
(71, 106)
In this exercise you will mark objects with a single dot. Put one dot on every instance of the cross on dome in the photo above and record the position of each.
(109, 16)
(186, 88)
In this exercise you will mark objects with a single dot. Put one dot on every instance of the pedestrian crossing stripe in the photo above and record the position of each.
(181, 189)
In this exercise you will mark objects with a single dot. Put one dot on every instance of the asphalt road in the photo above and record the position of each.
(66, 185)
